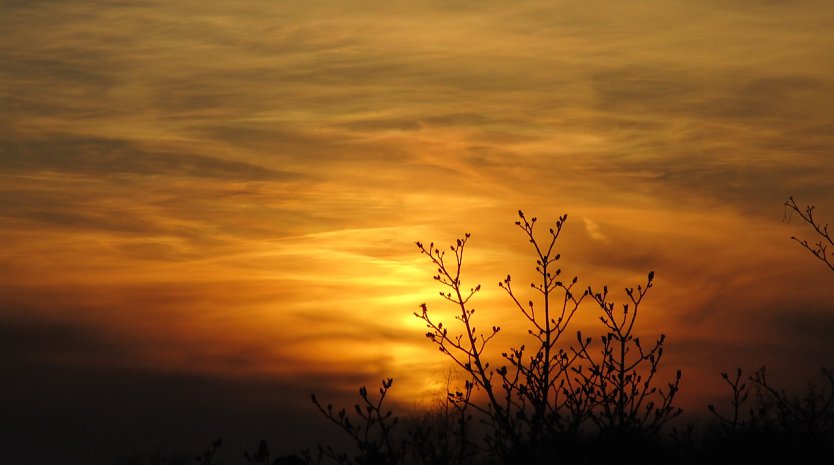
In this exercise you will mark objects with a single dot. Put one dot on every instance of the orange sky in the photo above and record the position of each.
(233, 189)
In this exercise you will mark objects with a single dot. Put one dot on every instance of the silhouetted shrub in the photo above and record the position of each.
(370, 428)
(541, 401)
(771, 423)
(557, 400)
(571, 400)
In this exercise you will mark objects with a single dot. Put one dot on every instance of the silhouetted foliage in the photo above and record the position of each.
(262, 457)
(820, 248)
(772, 424)
(370, 428)
(540, 401)
(560, 399)
(442, 435)
(623, 391)
(207, 456)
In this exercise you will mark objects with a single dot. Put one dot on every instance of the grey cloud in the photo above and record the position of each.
(277, 141)
(470, 120)
(767, 97)
(806, 324)
(641, 89)
(383, 125)
(144, 224)
(62, 86)
(287, 145)
(792, 336)
(96, 179)
(100, 221)
(720, 140)
(107, 156)
(43, 342)
(465, 118)
(73, 209)
(667, 91)
(68, 69)
(755, 188)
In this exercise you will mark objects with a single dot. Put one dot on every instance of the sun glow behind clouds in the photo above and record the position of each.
(236, 187)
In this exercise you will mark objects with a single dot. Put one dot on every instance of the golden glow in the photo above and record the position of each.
(236, 188)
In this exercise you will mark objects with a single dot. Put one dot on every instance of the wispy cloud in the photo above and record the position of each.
(234, 187)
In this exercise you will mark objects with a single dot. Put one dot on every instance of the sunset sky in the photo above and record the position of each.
(208, 209)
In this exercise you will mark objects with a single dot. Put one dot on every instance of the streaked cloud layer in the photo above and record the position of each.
(232, 189)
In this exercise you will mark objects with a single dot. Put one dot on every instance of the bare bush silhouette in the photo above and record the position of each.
(442, 435)
(567, 397)
(773, 423)
(530, 405)
(820, 248)
(370, 427)
(524, 402)
(622, 379)
(538, 402)
(734, 421)
(809, 416)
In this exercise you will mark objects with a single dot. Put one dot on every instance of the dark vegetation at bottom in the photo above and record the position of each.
(763, 424)
(568, 397)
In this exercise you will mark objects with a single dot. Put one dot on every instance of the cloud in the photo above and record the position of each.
(34, 342)
(219, 202)
(593, 230)
(98, 155)
(383, 125)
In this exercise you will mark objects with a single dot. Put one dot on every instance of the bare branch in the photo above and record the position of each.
(823, 248)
